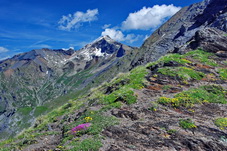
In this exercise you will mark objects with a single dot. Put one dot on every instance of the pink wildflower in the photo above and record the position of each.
(81, 127)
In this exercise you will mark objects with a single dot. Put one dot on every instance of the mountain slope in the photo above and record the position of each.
(31, 82)
(160, 106)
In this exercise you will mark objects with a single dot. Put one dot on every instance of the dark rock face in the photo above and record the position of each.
(209, 39)
(120, 52)
(176, 32)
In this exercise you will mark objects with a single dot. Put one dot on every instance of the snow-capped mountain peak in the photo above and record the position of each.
(104, 46)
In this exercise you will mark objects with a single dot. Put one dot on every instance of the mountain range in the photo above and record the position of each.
(32, 79)
(169, 94)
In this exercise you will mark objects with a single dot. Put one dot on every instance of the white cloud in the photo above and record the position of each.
(73, 21)
(119, 36)
(106, 26)
(3, 49)
(114, 34)
(150, 17)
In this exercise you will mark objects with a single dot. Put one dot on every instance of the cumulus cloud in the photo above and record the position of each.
(119, 36)
(114, 34)
(3, 49)
(149, 17)
(73, 21)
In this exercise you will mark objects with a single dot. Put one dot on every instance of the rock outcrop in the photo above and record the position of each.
(209, 39)
(177, 31)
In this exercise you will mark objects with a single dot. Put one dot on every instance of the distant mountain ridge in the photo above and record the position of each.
(31, 79)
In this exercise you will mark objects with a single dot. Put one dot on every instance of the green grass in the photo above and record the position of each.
(223, 73)
(25, 110)
(137, 77)
(40, 110)
(203, 94)
(90, 144)
(187, 124)
(166, 87)
(124, 93)
(183, 73)
(221, 123)
(171, 131)
(202, 56)
(170, 57)
(98, 123)
(199, 55)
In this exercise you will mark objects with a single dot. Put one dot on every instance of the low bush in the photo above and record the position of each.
(187, 124)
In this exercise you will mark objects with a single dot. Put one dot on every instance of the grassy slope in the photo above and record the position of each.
(187, 68)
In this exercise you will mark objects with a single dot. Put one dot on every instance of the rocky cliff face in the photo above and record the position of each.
(179, 30)
(32, 79)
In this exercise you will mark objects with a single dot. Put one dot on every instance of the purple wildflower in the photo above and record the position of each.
(81, 127)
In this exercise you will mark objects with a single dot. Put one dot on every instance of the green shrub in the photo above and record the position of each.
(187, 124)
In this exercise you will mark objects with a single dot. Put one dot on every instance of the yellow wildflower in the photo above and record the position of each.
(87, 119)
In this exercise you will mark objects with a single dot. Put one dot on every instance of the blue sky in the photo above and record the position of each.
(55, 24)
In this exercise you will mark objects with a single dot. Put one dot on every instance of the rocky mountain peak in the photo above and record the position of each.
(105, 38)
(104, 46)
